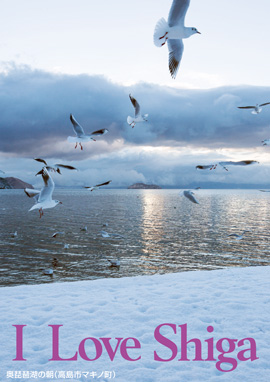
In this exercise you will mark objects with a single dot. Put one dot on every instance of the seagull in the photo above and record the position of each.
(106, 234)
(255, 109)
(189, 195)
(237, 237)
(224, 164)
(2, 172)
(83, 229)
(55, 168)
(264, 190)
(58, 233)
(80, 134)
(266, 142)
(14, 234)
(174, 31)
(92, 188)
(43, 197)
(114, 263)
(66, 246)
(138, 117)
(48, 271)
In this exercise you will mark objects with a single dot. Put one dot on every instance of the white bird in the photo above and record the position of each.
(236, 236)
(224, 164)
(48, 271)
(255, 109)
(264, 190)
(266, 142)
(58, 233)
(174, 31)
(43, 197)
(92, 188)
(80, 134)
(138, 117)
(189, 195)
(114, 263)
(66, 246)
(106, 234)
(14, 234)
(83, 229)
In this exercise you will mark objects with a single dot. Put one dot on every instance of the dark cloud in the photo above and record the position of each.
(185, 128)
(35, 108)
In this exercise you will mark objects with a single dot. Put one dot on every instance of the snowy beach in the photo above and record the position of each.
(232, 303)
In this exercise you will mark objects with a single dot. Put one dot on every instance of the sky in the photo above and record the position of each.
(86, 57)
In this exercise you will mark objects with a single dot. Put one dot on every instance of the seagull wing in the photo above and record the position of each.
(31, 193)
(76, 127)
(66, 166)
(99, 132)
(41, 160)
(233, 235)
(190, 196)
(136, 105)
(176, 48)
(103, 184)
(206, 167)
(263, 104)
(246, 107)
(47, 190)
(178, 12)
(240, 163)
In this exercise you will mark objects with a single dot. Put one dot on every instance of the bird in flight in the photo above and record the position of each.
(174, 31)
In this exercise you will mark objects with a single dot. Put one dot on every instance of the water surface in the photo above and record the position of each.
(161, 233)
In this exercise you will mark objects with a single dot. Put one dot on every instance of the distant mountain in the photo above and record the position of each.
(11, 182)
(142, 186)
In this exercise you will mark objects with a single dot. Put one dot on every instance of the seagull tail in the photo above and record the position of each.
(161, 29)
(130, 120)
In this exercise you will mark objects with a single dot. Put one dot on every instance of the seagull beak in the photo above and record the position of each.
(198, 32)
(60, 202)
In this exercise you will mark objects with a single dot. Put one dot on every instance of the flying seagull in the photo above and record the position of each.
(224, 164)
(255, 109)
(43, 197)
(138, 117)
(1, 172)
(55, 168)
(266, 142)
(92, 188)
(236, 236)
(189, 195)
(174, 31)
(58, 233)
(80, 134)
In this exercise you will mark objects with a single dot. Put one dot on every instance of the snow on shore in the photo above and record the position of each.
(235, 302)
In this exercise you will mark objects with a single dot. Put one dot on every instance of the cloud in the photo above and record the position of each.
(185, 128)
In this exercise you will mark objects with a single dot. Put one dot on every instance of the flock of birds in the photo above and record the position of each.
(173, 32)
